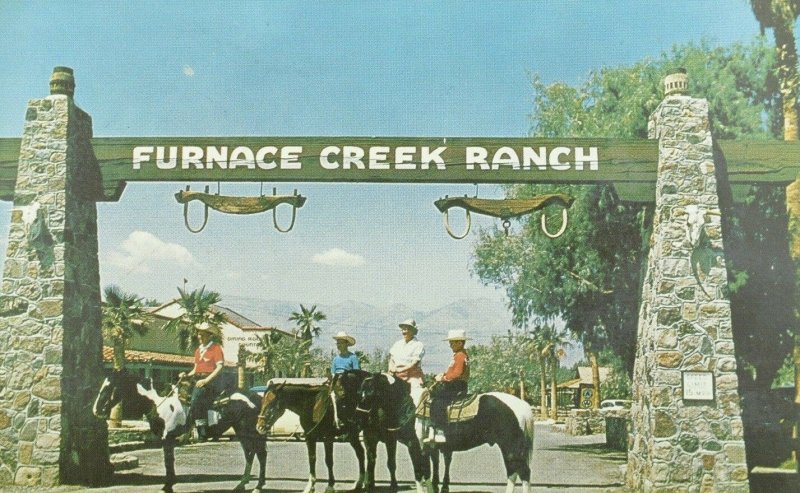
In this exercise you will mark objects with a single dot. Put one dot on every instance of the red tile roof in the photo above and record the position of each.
(147, 356)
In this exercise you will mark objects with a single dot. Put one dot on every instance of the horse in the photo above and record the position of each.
(168, 420)
(310, 399)
(385, 411)
(501, 419)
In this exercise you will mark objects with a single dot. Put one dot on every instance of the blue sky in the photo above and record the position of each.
(319, 68)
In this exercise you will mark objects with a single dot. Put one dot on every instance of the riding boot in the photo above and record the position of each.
(202, 434)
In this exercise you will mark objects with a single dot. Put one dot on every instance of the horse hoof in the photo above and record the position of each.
(167, 488)
(330, 489)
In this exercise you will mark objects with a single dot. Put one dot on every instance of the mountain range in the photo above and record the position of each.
(376, 327)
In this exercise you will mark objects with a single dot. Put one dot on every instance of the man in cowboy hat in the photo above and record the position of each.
(345, 360)
(405, 357)
(450, 385)
(208, 363)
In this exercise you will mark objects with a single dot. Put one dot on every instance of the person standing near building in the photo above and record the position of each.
(209, 361)
(449, 385)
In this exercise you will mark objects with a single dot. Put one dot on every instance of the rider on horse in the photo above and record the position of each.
(209, 361)
(451, 385)
(405, 357)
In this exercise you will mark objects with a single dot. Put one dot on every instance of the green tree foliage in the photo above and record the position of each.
(499, 365)
(283, 356)
(197, 306)
(590, 277)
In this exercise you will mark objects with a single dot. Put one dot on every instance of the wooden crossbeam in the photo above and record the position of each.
(627, 163)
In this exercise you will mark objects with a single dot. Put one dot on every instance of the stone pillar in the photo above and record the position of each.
(50, 338)
(686, 433)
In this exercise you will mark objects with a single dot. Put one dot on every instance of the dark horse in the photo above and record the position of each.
(386, 413)
(310, 399)
(167, 417)
(501, 419)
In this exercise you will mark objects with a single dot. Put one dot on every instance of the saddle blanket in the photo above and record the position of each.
(460, 410)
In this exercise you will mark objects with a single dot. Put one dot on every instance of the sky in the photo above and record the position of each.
(296, 68)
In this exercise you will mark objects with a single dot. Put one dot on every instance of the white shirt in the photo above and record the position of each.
(407, 353)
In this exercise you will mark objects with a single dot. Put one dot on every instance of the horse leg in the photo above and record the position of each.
(248, 466)
(261, 453)
(311, 446)
(329, 464)
(516, 467)
(433, 454)
(448, 458)
(359, 449)
(391, 462)
(168, 446)
(371, 443)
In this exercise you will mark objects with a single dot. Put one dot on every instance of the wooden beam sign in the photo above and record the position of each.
(629, 164)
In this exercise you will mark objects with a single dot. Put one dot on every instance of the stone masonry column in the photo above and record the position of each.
(50, 337)
(686, 431)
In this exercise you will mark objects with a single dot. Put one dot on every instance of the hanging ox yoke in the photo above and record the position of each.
(504, 209)
(238, 205)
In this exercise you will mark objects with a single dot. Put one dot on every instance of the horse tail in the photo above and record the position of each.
(528, 430)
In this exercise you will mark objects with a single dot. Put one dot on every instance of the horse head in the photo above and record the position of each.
(112, 391)
(272, 406)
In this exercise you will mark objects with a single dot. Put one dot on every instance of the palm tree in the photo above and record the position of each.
(539, 344)
(306, 320)
(197, 308)
(122, 319)
(279, 356)
(550, 343)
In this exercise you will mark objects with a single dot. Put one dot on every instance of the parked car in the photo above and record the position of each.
(287, 426)
(615, 405)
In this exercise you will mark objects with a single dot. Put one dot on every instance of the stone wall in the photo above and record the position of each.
(679, 444)
(585, 422)
(50, 340)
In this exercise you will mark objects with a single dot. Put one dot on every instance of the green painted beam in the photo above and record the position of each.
(629, 164)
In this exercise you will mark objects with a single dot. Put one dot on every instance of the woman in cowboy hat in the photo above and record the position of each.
(345, 360)
(451, 384)
(208, 363)
(405, 356)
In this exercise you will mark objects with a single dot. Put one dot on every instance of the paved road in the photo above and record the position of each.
(560, 463)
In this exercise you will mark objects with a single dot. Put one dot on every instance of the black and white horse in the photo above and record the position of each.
(167, 417)
(502, 419)
(386, 413)
(310, 399)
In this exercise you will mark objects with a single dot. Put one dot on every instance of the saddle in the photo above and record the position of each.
(458, 411)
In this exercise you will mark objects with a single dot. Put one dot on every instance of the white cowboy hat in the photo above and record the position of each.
(212, 329)
(410, 323)
(457, 335)
(344, 336)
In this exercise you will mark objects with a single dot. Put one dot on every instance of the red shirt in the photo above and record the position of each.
(206, 361)
(459, 367)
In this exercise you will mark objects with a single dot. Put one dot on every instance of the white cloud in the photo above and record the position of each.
(338, 257)
(141, 249)
(188, 71)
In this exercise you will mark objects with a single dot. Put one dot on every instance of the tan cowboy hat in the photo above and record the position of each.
(344, 336)
(211, 329)
(457, 335)
(410, 323)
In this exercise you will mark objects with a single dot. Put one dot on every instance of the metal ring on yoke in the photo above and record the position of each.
(563, 225)
(186, 215)
(446, 218)
(275, 214)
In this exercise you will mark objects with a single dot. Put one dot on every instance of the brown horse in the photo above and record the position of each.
(310, 399)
